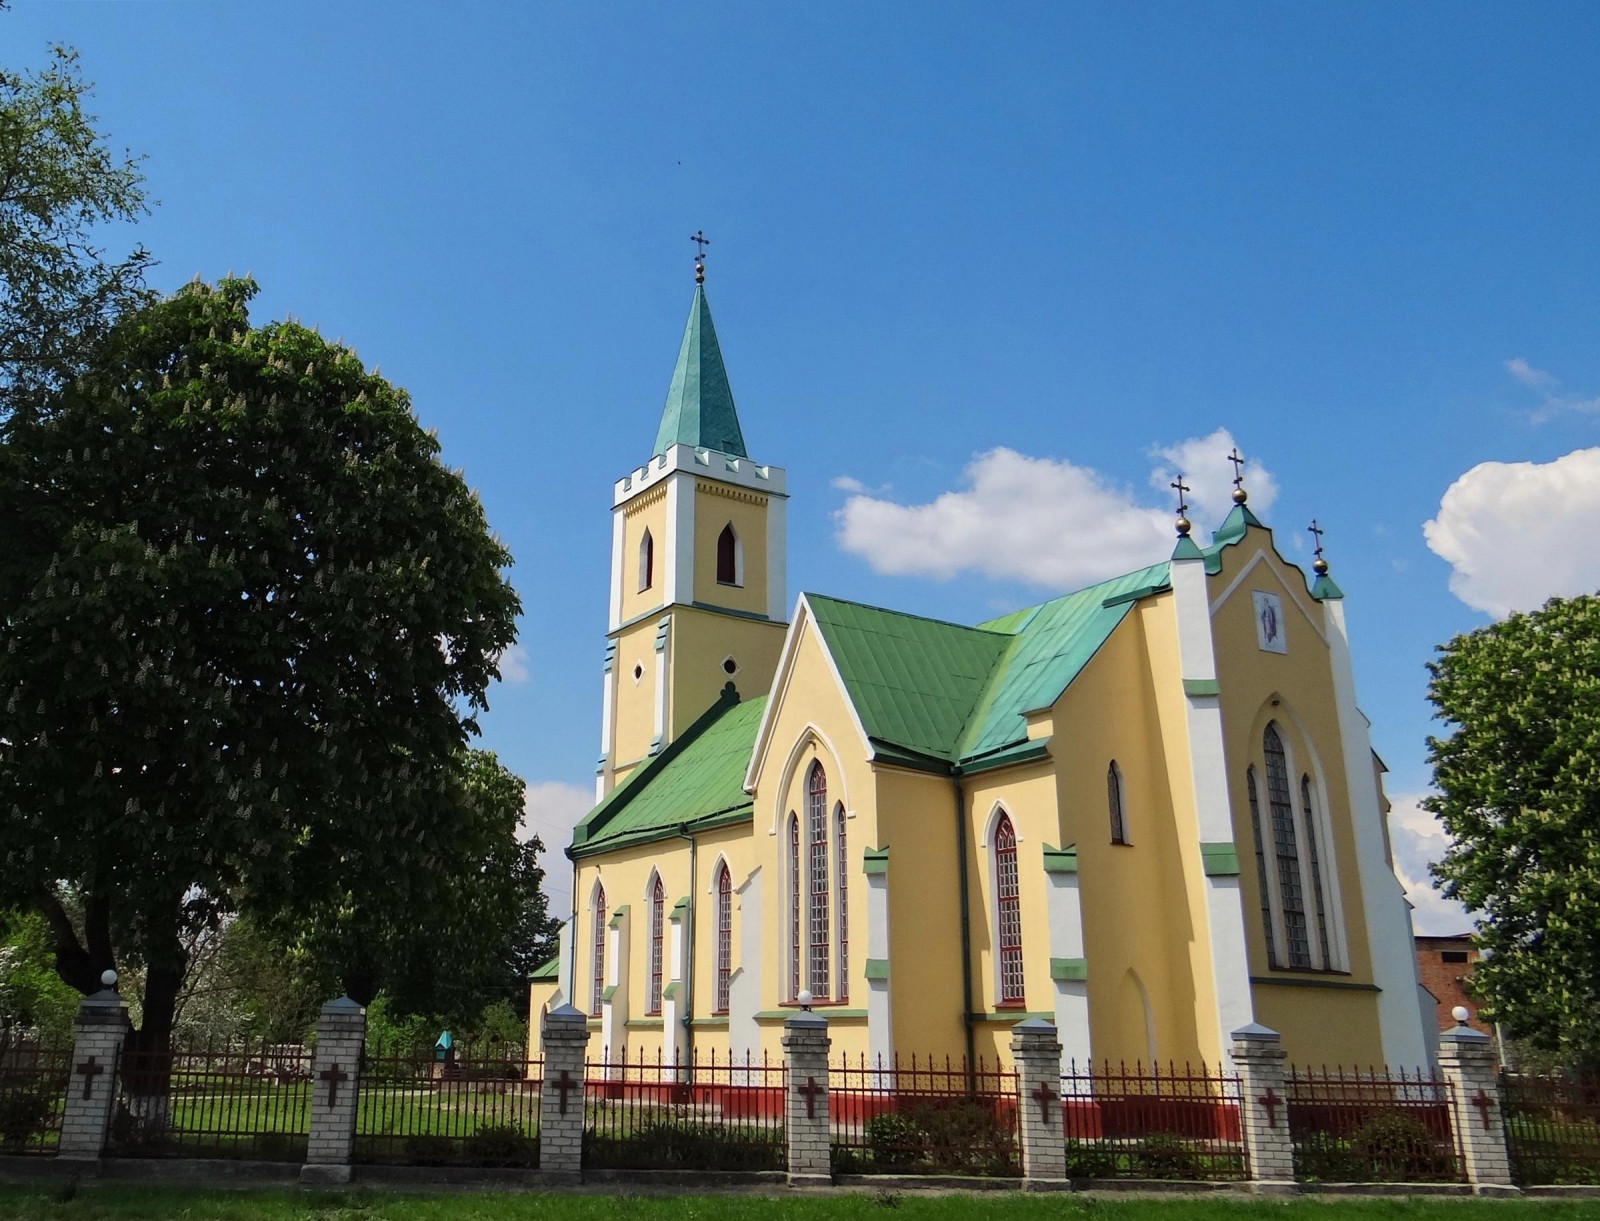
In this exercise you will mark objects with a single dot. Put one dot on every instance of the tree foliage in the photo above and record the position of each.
(59, 182)
(1518, 780)
(249, 621)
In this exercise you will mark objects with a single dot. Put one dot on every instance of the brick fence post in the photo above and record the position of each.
(1470, 1067)
(101, 1027)
(1264, 1108)
(565, 1039)
(335, 1080)
(1037, 1054)
(805, 1126)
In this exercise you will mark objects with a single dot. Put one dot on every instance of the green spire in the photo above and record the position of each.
(699, 410)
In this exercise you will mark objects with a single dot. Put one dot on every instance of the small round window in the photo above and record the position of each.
(638, 671)
(729, 666)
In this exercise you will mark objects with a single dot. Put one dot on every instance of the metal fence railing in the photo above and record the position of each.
(34, 1080)
(923, 1116)
(1372, 1126)
(476, 1107)
(1152, 1123)
(1552, 1128)
(711, 1113)
(230, 1100)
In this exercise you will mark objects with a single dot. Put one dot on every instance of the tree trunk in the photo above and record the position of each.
(147, 1056)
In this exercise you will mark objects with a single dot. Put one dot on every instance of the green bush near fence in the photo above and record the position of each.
(24, 1116)
(958, 1137)
(1388, 1148)
(686, 1146)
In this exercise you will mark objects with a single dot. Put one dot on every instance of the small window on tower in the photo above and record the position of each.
(729, 569)
(1452, 956)
(729, 666)
(647, 562)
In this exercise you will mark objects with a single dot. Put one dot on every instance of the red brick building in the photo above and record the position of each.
(1444, 965)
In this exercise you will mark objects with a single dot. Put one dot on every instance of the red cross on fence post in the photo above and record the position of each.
(1044, 1096)
(811, 1091)
(333, 1074)
(564, 1085)
(1484, 1103)
(89, 1070)
(1270, 1102)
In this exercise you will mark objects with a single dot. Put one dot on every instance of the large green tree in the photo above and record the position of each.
(60, 185)
(1518, 791)
(249, 620)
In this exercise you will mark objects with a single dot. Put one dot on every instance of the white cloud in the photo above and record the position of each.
(1045, 521)
(513, 664)
(1527, 374)
(550, 809)
(1517, 533)
(1418, 841)
(1203, 462)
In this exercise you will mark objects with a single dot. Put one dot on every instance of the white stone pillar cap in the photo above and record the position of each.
(1255, 1032)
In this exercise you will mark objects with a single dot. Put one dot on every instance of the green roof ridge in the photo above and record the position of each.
(699, 410)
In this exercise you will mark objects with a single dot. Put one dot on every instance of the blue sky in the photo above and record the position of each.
(1358, 238)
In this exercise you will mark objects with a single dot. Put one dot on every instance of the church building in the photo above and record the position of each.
(1148, 811)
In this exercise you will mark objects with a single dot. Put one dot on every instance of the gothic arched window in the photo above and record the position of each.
(1115, 804)
(1009, 910)
(1315, 861)
(1261, 866)
(817, 836)
(724, 937)
(728, 557)
(658, 903)
(647, 561)
(841, 873)
(597, 995)
(1291, 884)
(794, 907)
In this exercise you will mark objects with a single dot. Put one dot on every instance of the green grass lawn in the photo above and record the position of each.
(139, 1203)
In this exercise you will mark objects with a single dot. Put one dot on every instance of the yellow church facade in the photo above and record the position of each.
(1147, 811)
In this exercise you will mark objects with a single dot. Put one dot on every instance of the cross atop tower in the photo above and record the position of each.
(701, 241)
(1239, 494)
(1319, 565)
(1181, 488)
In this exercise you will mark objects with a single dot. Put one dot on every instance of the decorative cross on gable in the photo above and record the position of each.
(564, 1084)
(1181, 488)
(811, 1091)
(1044, 1096)
(1270, 1102)
(89, 1070)
(333, 1074)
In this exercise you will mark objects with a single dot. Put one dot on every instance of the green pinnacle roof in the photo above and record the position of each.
(699, 409)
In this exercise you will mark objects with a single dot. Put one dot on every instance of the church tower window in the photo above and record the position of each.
(597, 996)
(1261, 866)
(794, 907)
(657, 944)
(647, 561)
(1315, 861)
(842, 873)
(1291, 884)
(724, 938)
(1115, 803)
(728, 566)
(1010, 912)
(817, 828)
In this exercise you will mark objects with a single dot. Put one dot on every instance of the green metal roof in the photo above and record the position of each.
(913, 681)
(547, 971)
(699, 410)
(698, 777)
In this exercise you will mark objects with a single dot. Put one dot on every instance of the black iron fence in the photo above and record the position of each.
(1152, 1123)
(34, 1079)
(923, 1116)
(1372, 1126)
(709, 1113)
(1552, 1128)
(475, 1107)
(213, 1101)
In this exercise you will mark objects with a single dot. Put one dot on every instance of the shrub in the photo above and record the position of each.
(23, 1116)
(897, 1141)
(1089, 1161)
(1161, 1155)
(962, 1136)
(505, 1145)
(1400, 1145)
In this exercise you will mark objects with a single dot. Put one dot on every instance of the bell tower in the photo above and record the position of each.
(698, 595)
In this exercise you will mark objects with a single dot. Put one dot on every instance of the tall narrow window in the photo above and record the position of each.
(1005, 884)
(817, 834)
(794, 907)
(598, 995)
(1316, 870)
(1114, 796)
(1261, 865)
(842, 874)
(647, 561)
(724, 937)
(1291, 886)
(657, 944)
(728, 557)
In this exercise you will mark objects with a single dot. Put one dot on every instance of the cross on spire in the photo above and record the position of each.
(1239, 494)
(701, 241)
(1183, 505)
(1319, 565)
